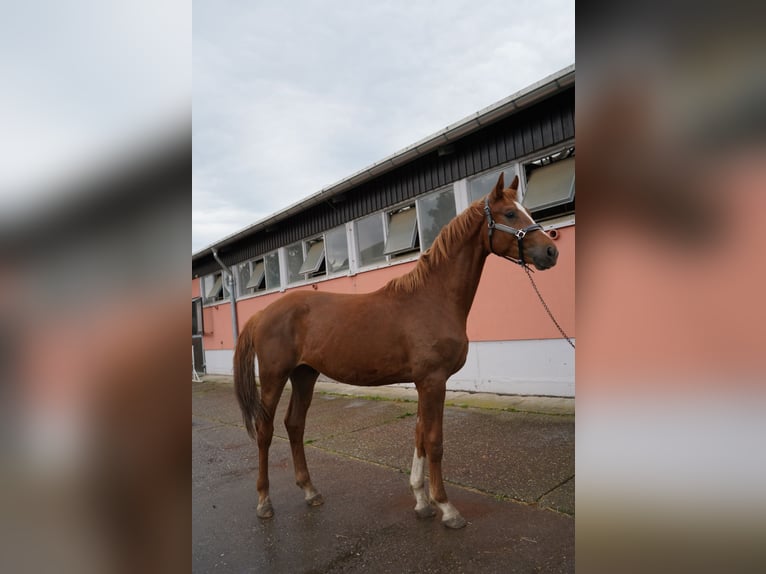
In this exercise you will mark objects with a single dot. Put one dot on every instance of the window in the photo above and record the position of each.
(259, 274)
(196, 316)
(411, 228)
(402, 231)
(336, 250)
(370, 239)
(214, 288)
(313, 265)
(294, 262)
(318, 256)
(434, 212)
(273, 276)
(251, 277)
(550, 186)
(480, 186)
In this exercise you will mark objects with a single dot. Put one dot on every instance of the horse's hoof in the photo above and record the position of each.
(315, 500)
(427, 511)
(455, 522)
(265, 510)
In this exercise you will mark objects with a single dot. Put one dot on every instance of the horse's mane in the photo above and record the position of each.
(454, 232)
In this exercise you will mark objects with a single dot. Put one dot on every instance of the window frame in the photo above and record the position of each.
(280, 284)
(244, 292)
(421, 198)
(514, 165)
(361, 266)
(390, 214)
(557, 215)
(341, 230)
(205, 288)
(315, 270)
(242, 287)
(323, 273)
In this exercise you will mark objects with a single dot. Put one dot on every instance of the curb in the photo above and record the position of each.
(462, 399)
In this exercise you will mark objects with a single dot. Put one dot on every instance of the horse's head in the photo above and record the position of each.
(511, 230)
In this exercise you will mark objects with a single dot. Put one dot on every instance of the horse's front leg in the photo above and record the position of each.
(423, 506)
(431, 394)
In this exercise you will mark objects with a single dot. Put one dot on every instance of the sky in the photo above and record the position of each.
(291, 97)
(83, 83)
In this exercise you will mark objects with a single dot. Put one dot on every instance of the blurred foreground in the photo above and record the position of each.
(670, 285)
(95, 183)
(95, 418)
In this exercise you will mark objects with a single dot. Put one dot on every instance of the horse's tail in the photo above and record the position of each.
(244, 376)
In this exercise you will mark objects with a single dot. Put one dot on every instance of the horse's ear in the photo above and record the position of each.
(515, 183)
(499, 186)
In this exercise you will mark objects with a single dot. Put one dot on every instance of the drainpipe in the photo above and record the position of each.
(232, 295)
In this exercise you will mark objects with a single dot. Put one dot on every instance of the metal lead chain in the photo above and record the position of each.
(545, 306)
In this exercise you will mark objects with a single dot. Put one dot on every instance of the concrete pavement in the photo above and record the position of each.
(508, 464)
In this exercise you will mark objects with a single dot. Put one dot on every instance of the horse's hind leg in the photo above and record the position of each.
(271, 391)
(303, 379)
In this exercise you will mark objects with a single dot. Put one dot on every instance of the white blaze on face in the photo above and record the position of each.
(523, 210)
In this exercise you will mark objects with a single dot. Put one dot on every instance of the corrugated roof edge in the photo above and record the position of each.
(521, 99)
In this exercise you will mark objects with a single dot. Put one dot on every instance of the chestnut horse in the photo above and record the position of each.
(413, 329)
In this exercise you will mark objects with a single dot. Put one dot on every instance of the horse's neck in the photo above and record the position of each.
(454, 279)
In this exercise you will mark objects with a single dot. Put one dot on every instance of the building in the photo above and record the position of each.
(355, 235)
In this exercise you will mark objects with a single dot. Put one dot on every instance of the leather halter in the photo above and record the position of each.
(518, 233)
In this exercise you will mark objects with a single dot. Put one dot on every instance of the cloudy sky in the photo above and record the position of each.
(82, 83)
(291, 97)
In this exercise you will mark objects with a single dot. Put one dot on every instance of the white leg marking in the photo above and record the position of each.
(451, 518)
(417, 477)
(448, 510)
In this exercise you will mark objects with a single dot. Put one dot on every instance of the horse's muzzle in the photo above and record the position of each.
(545, 257)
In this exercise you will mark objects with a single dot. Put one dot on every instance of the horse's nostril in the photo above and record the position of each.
(552, 251)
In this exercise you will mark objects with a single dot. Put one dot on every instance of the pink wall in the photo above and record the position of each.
(195, 288)
(505, 308)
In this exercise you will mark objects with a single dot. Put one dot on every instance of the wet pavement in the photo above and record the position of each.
(511, 474)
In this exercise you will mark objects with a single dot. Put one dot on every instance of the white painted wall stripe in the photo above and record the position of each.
(532, 367)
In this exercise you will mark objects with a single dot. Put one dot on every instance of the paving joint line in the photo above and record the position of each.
(559, 485)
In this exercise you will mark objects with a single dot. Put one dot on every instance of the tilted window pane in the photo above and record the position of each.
(216, 287)
(336, 250)
(294, 262)
(480, 186)
(370, 239)
(435, 211)
(402, 231)
(550, 185)
(314, 258)
(256, 278)
(273, 277)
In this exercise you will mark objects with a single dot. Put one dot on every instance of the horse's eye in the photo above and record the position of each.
(510, 215)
